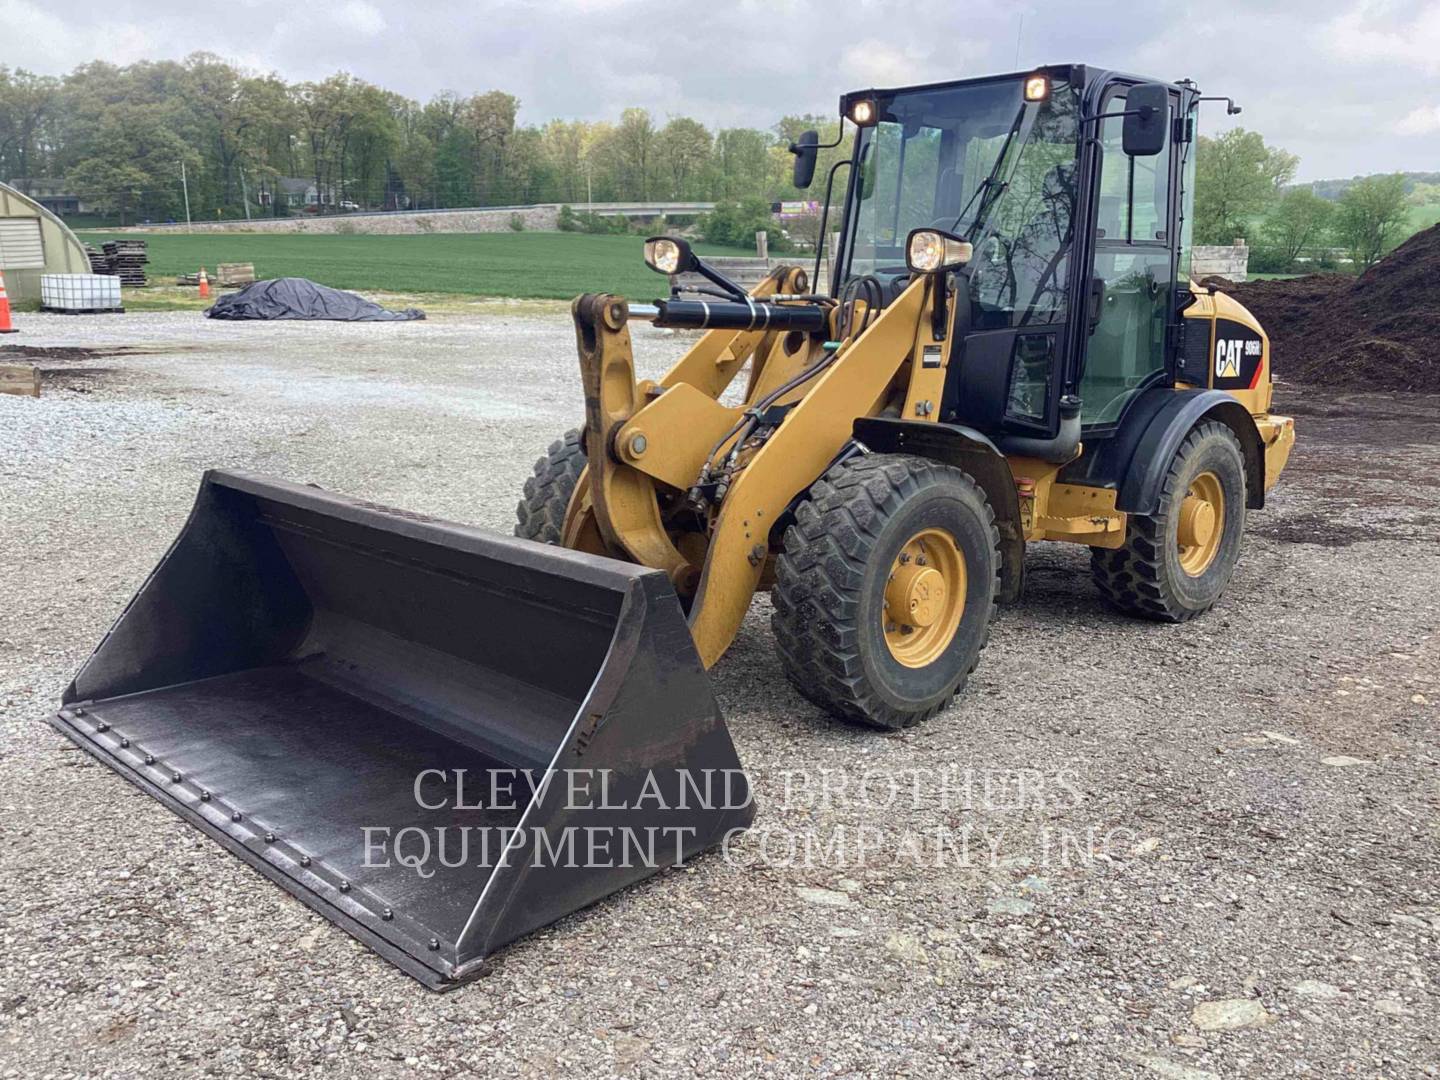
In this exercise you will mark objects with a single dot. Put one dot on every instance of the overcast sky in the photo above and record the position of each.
(1352, 86)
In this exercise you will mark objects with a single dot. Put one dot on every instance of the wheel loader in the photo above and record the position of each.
(1010, 350)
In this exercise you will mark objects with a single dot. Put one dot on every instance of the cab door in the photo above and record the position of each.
(1132, 279)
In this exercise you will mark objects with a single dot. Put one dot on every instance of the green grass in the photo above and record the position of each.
(537, 265)
(1422, 217)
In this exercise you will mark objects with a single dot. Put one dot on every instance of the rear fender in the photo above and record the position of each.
(1135, 460)
(966, 449)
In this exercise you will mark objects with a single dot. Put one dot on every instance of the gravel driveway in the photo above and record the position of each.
(1188, 852)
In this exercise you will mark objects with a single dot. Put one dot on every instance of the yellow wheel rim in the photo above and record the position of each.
(1201, 524)
(924, 598)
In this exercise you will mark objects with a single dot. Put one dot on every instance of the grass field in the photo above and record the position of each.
(1422, 217)
(527, 265)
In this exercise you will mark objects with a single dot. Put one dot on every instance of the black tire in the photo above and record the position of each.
(541, 513)
(830, 583)
(1145, 578)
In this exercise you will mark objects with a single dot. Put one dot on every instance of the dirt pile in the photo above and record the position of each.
(1380, 331)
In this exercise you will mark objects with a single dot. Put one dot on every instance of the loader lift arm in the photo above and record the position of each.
(620, 488)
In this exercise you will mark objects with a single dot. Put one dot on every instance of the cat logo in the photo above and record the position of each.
(1227, 358)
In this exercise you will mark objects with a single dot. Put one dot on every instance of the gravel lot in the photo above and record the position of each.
(1194, 852)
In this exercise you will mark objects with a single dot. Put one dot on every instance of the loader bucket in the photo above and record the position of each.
(438, 737)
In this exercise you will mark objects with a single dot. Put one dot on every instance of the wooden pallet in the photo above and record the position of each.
(22, 379)
(232, 275)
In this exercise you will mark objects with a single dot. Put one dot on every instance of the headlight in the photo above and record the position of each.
(668, 255)
(861, 111)
(929, 250)
(1037, 88)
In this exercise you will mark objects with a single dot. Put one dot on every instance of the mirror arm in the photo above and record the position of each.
(794, 148)
(710, 274)
(1231, 109)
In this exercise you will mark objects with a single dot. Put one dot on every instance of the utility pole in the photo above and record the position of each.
(185, 185)
(244, 193)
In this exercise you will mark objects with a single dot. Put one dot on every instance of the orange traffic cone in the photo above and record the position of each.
(5, 325)
(204, 284)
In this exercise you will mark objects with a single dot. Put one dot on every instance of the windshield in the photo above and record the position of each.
(977, 161)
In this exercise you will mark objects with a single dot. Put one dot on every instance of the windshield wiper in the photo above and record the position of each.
(989, 182)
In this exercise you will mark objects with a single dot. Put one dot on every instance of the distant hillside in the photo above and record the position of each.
(1424, 182)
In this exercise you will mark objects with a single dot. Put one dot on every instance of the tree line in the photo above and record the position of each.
(117, 137)
(1243, 189)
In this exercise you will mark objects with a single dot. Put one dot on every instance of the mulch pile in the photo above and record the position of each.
(1380, 331)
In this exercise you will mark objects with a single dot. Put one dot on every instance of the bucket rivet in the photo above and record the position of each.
(102, 726)
(204, 796)
(236, 816)
(176, 777)
(149, 759)
(304, 860)
(434, 943)
(387, 914)
(344, 886)
(124, 742)
(269, 837)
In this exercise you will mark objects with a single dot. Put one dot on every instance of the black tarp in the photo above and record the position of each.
(300, 298)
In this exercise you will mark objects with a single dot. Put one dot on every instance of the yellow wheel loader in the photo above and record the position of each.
(442, 738)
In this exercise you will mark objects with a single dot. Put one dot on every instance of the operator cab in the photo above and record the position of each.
(1069, 306)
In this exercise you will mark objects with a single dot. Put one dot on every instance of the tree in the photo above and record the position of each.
(1237, 177)
(627, 151)
(734, 224)
(1371, 214)
(564, 144)
(683, 148)
(326, 115)
(489, 120)
(742, 164)
(1299, 219)
(133, 163)
(26, 103)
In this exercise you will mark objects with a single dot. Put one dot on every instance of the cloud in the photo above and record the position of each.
(1369, 33)
(877, 63)
(363, 17)
(52, 42)
(1424, 120)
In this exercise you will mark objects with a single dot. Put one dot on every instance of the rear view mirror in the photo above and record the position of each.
(806, 149)
(1147, 118)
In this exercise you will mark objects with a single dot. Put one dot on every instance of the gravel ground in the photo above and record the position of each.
(1193, 852)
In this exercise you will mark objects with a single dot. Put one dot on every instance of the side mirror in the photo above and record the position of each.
(806, 150)
(1147, 119)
